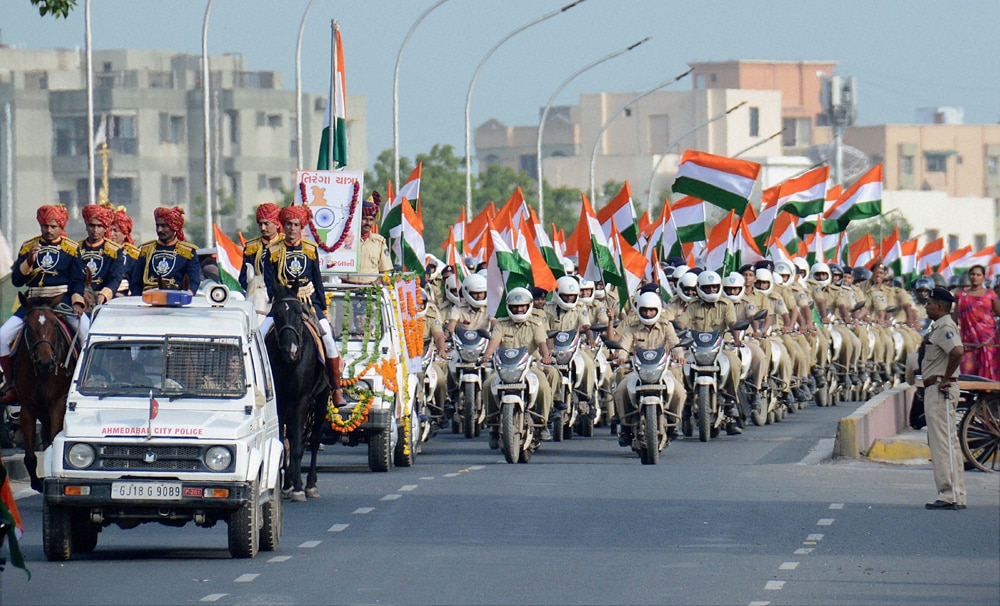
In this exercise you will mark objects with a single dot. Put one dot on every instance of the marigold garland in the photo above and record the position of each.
(358, 416)
(347, 226)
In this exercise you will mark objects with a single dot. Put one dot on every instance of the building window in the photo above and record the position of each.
(261, 181)
(993, 165)
(122, 135)
(952, 242)
(178, 190)
(122, 191)
(796, 132)
(172, 129)
(628, 112)
(754, 121)
(66, 198)
(932, 234)
(274, 183)
(233, 119)
(234, 184)
(70, 136)
(528, 163)
(261, 119)
(274, 120)
(978, 242)
(906, 165)
(936, 163)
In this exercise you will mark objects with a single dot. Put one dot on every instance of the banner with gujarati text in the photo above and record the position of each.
(335, 200)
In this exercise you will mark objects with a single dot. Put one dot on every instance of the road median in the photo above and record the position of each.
(877, 430)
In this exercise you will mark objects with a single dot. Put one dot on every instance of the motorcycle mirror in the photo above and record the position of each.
(482, 332)
(597, 328)
(613, 344)
(859, 306)
(892, 309)
(812, 304)
(686, 342)
(740, 326)
(552, 334)
(677, 325)
(760, 315)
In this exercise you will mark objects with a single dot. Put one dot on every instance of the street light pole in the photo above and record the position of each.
(719, 116)
(545, 115)
(90, 103)
(395, 90)
(615, 114)
(207, 124)
(298, 86)
(472, 84)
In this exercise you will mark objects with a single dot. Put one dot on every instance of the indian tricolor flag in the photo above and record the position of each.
(718, 243)
(621, 213)
(593, 250)
(230, 259)
(908, 257)
(632, 264)
(392, 215)
(861, 251)
(931, 256)
(804, 195)
(412, 240)
(688, 216)
(725, 182)
(504, 271)
(333, 143)
(862, 200)
(760, 226)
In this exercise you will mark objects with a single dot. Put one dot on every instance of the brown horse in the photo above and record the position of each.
(43, 367)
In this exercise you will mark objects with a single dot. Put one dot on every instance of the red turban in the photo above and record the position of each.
(102, 213)
(173, 217)
(269, 212)
(302, 212)
(370, 206)
(52, 212)
(124, 224)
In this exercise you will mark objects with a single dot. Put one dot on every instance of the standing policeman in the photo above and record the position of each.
(168, 258)
(940, 356)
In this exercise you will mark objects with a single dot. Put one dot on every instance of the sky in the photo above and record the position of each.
(904, 53)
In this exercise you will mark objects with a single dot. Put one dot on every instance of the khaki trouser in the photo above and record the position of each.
(547, 377)
(850, 348)
(440, 395)
(589, 378)
(759, 361)
(784, 361)
(625, 406)
(823, 353)
(862, 333)
(799, 350)
(946, 453)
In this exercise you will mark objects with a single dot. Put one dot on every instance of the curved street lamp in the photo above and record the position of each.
(615, 114)
(719, 116)
(90, 103)
(298, 86)
(395, 90)
(545, 115)
(472, 84)
(206, 121)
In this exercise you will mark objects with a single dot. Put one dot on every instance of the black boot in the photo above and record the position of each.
(624, 436)
(494, 438)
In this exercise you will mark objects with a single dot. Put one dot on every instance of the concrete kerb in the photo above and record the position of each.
(882, 417)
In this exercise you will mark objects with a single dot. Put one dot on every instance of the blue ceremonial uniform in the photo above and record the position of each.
(169, 263)
(253, 254)
(128, 256)
(287, 265)
(57, 264)
(105, 265)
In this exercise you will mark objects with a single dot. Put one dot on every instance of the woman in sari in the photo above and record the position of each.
(977, 307)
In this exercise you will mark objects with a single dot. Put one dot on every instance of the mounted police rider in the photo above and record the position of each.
(100, 255)
(256, 249)
(49, 265)
(168, 259)
(294, 262)
(120, 233)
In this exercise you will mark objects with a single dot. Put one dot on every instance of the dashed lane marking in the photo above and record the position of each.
(246, 578)
(276, 559)
(825, 522)
(363, 510)
(407, 488)
(309, 544)
(774, 585)
(390, 497)
(759, 603)
(450, 475)
(477, 467)
(803, 551)
(788, 566)
(213, 597)
(836, 505)
(339, 527)
(427, 478)
(814, 537)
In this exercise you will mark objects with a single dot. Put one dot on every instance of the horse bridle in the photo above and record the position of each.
(33, 344)
(297, 331)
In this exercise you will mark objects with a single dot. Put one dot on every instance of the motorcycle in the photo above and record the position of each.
(569, 362)
(515, 390)
(603, 403)
(470, 414)
(432, 411)
(650, 388)
(706, 368)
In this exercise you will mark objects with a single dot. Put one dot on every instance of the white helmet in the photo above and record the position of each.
(599, 292)
(801, 264)
(567, 286)
(764, 275)
(451, 289)
(585, 285)
(688, 280)
(821, 268)
(679, 271)
(649, 300)
(734, 280)
(519, 297)
(709, 278)
(474, 284)
(483, 272)
(422, 312)
(569, 266)
(784, 268)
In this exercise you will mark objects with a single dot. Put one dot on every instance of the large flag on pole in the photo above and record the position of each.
(804, 195)
(333, 143)
(688, 216)
(621, 212)
(230, 259)
(861, 251)
(392, 216)
(725, 182)
(503, 272)
(718, 243)
(595, 260)
(931, 255)
(412, 240)
(862, 200)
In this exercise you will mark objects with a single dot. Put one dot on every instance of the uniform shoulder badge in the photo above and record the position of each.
(69, 246)
(111, 249)
(186, 250)
(147, 248)
(131, 250)
(252, 247)
(274, 250)
(309, 249)
(28, 245)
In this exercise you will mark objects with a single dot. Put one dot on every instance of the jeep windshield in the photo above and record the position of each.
(350, 316)
(175, 366)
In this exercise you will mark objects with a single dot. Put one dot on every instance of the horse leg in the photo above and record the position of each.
(57, 415)
(30, 460)
(296, 448)
(314, 438)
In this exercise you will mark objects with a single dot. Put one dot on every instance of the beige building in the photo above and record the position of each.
(153, 104)
(960, 220)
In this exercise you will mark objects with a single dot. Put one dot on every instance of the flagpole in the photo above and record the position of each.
(90, 103)
(545, 115)
(334, 26)
(649, 188)
(758, 144)
(472, 84)
(615, 114)
(207, 125)
(298, 86)
(395, 89)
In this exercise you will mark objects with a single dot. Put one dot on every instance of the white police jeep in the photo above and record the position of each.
(170, 418)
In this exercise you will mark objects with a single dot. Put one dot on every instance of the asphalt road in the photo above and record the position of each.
(761, 518)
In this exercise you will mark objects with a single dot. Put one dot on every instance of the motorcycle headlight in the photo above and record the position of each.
(651, 374)
(511, 374)
(470, 354)
(564, 356)
(218, 458)
(704, 358)
(81, 456)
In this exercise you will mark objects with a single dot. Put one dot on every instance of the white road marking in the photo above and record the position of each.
(759, 603)
(814, 537)
(836, 505)
(280, 559)
(338, 527)
(774, 585)
(364, 510)
(822, 451)
(309, 544)
(450, 475)
(788, 566)
(390, 497)
(825, 522)
(246, 578)
(407, 488)
(213, 597)
(427, 478)
(803, 551)
(477, 467)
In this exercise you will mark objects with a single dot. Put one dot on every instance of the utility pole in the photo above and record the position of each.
(839, 97)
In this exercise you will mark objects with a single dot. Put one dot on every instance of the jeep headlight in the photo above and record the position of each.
(218, 458)
(81, 456)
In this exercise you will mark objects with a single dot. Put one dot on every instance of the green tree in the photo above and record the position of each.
(880, 227)
(56, 8)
